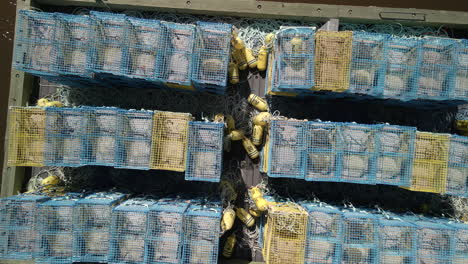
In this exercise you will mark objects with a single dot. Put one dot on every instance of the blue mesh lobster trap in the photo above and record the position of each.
(55, 230)
(204, 151)
(460, 249)
(460, 91)
(360, 237)
(457, 174)
(101, 136)
(18, 231)
(201, 233)
(92, 222)
(134, 139)
(212, 52)
(403, 57)
(35, 51)
(359, 144)
(294, 59)
(128, 231)
(398, 240)
(324, 152)
(287, 149)
(324, 233)
(368, 63)
(64, 135)
(165, 231)
(395, 155)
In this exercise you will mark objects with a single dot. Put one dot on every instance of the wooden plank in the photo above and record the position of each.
(21, 87)
(261, 9)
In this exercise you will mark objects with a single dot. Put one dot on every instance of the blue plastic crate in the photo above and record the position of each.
(368, 63)
(403, 57)
(18, 232)
(457, 182)
(165, 231)
(92, 221)
(73, 40)
(177, 66)
(460, 250)
(360, 237)
(201, 233)
(360, 149)
(287, 157)
(55, 230)
(398, 240)
(324, 233)
(212, 52)
(204, 151)
(460, 90)
(65, 136)
(324, 152)
(35, 51)
(395, 155)
(128, 231)
(134, 139)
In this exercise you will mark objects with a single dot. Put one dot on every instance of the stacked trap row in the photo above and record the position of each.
(378, 65)
(108, 136)
(367, 154)
(113, 49)
(107, 228)
(313, 233)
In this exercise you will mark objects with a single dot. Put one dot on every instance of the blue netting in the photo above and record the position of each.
(395, 155)
(460, 90)
(35, 50)
(165, 231)
(212, 52)
(361, 238)
(368, 63)
(128, 231)
(177, 65)
(457, 174)
(134, 139)
(460, 248)
(294, 59)
(92, 221)
(398, 240)
(55, 230)
(287, 149)
(403, 56)
(18, 231)
(324, 152)
(204, 151)
(201, 233)
(324, 234)
(64, 136)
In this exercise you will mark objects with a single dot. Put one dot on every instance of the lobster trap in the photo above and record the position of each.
(324, 152)
(285, 234)
(403, 58)
(165, 231)
(460, 248)
(91, 222)
(201, 233)
(457, 172)
(18, 230)
(169, 141)
(461, 72)
(128, 231)
(360, 237)
(398, 240)
(204, 151)
(324, 234)
(134, 139)
(26, 136)
(64, 136)
(368, 63)
(395, 155)
(55, 230)
(332, 60)
(294, 59)
(212, 50)
(430, 163)
(287, 148)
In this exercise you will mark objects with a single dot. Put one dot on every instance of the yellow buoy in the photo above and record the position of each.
(251, 60)
(219, 118)
(255, 192)
(228, 219)
(50, 180)
(229, 246)
(42, 102)
(258, 102)
(269, 39)
(254, 213)
(261, 204)
(54, 104)
(230, 123)
(245, 217)
(296, 45)
(233, 73)
(236, 135)
(239, 58)
(238, 43)
(257, 135)
(250, 148)
(262, 59)
(261, 119)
